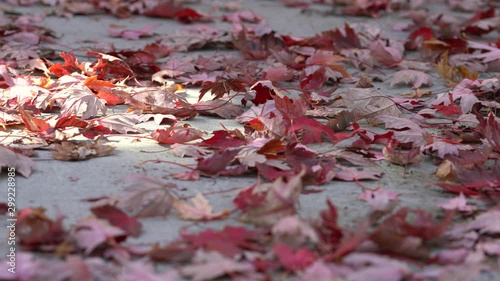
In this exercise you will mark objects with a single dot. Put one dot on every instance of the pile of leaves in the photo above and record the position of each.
(287, 93)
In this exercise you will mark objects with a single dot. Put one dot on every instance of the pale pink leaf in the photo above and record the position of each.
(92, 232)
(131, 34)
(414, 78)
(380, 198)
(212, 265)
(199, 209)
(458, 203)
(387, 55)
(9, 158)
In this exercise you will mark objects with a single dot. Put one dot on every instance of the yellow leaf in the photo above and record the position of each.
(452, 75)
(446, 170)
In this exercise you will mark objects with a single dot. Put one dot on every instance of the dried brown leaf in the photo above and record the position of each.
(76, 151)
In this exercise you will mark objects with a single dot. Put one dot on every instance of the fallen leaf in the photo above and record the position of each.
(144, 197)
(91, 233)
(12, 160)
(294, 260)
(387, 53)
(32, 123)
(379, 199)
(188, 150)
(77, 151)
(141, 270)
(222, 108)
(396, 155)
(280, 199)
(349, 40)
(474, 181)
(211, 265)
(446, 170)
(369, 103)
(414, 78)
(118, 218)
(34, 228)
(458, 203)
(219, 163)
(452, 75)
(230, 241)
(82, 102)
(294, 232)
(176, 133)
(352, 174)
(221, 87)
(199, 210)
(132, 34)
(312, 130)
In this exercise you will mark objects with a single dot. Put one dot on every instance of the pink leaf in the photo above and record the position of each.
(294, 260)
(390, 55)
(132, 34)
(15, 162)
(199, 209)
(458, 203)
(176, 133)
(413, 77)
(91, 233)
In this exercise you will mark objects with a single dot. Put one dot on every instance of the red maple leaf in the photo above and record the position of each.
(32, 123)
(318, 170)
(314, 81)
(118, 218)
(70, 121)
(188, 15)
(349, 40)
(278, 73)
(225, 139)
(418, 36)
(34, 228)
(110, 67)
(329, 232)
(229, 241)
(475, 181)
(111, 96)
(92, 233)
(263, 92)
(218, 163)
(311, 130)
(247, 198)
(253, 47)
(393, 233)
(370, 9)
(490, 130)
(448, 110)
(171, 10)
(294, 260)
(70, 65)
(221, 87)
(96, 85)
(95, 130)
(396, 155)
(176, 133)
(290, 108)
(470, 26)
